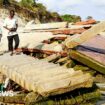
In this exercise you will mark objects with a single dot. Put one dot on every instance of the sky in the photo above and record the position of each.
(83, 8)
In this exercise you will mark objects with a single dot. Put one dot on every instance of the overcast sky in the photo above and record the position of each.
(84, 8)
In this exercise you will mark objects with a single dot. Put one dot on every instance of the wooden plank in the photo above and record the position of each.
(65, 31)
(46, 26)
(85, 36)
(56, 38)
(68, 31)
(87, 61)
(59, 38)
(48, 52)
(87, 22)
(76, 81)
(78, 26)
(62, 60)
(53, 57)
(91, 53)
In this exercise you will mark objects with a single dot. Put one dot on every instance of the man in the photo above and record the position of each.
(11, 25)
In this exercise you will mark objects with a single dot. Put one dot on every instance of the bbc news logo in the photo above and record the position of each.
(6, 93)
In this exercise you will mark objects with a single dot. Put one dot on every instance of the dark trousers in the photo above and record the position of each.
(10, 42)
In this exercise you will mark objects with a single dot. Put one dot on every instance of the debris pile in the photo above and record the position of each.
(59, 65)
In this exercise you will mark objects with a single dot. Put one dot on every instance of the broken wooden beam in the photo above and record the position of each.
(54, 39)
(91, 53)
(88, 22)
(69, 64)
(59, 38)
(87, 61)
(49, 49)
(53, 57)
(85, 36)
(64, 59)
(64, 54)
(68, 31)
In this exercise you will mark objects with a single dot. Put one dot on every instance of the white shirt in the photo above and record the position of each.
(10, 23)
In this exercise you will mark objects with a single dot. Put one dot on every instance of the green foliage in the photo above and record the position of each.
(27, 4)
(42, 9)
(40, 6)
(31, 9)
(70, 18)
(1, 2)
(54, 14)
(35, 7)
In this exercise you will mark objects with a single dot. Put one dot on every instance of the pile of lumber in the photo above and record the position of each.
(48, 79)
(85, 36)
(88, 51)
(91, 53)
(33, 42)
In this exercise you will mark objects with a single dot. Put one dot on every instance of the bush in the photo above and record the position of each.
(71, 18)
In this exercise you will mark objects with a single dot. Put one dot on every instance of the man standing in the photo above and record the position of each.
(11, 25)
